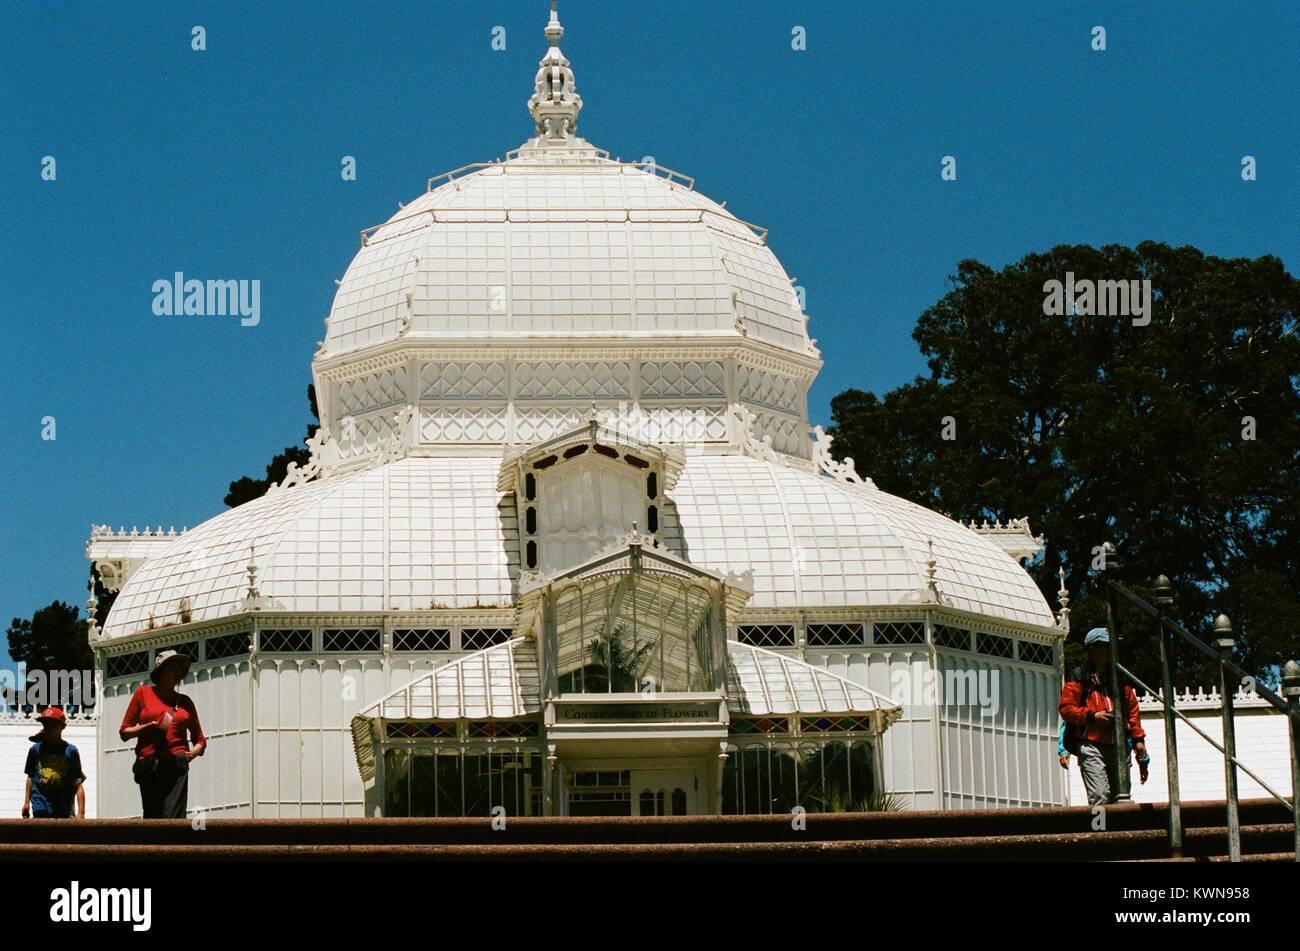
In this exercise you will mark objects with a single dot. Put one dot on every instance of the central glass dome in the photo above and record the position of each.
(511, 298)
(548, 246)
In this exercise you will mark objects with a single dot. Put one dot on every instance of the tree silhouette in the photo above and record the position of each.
(1178, 441)
(53, 639)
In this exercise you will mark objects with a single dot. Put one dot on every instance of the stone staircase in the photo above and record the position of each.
(1133, 833)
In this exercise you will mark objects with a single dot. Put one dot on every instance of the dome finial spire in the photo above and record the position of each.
(554, 32)
(555, 102)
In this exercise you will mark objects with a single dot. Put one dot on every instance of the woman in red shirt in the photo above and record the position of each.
(164, 722)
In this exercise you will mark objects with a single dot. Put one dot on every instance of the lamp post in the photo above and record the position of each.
(1164, 601)
(1291, 690)
(1224, 641)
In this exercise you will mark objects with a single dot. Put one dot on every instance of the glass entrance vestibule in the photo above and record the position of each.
(623, 696)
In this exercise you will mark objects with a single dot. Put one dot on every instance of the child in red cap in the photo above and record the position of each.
(54, 774)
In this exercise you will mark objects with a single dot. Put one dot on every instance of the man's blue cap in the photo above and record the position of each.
(1098, 635)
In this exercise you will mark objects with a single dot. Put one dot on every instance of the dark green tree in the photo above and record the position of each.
(1179, 441)
(246, 488)
(54, 638)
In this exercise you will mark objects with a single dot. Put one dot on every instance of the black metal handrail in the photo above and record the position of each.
(1197, 644)
(1169, 629)
(1208, 739)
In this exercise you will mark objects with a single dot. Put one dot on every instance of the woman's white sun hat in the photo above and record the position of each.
(167, 657)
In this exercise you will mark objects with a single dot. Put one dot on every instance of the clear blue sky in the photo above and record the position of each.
(225, 163)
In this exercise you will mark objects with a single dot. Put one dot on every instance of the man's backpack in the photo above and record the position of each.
(1071, 740)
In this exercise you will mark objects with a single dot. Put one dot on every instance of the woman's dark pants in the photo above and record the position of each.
(164, 786)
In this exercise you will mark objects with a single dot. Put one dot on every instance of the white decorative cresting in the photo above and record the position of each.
(116, 554)
(1014, 537)
(743, 419)
(295, 475)
(398, 438)
(843, 471)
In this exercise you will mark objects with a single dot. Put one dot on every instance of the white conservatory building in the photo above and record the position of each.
(566, 544)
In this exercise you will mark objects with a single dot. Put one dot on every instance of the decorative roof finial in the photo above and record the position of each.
(555, 102)
(92, 610)
(253, 599)
(931, 566)
(554, 32)
(1063, 597)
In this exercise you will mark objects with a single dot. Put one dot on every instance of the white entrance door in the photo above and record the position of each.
(665, 792)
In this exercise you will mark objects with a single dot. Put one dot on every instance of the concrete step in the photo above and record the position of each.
(938, 824)
(1133, 833)
(1013, 848)
(1260, 844)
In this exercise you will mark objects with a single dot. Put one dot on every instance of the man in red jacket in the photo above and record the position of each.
(1089, 712)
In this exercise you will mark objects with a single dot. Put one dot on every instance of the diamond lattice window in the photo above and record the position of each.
(836, 724)
(286, 640)
(435, 639)
(349, 640)
(995, 645)
(760, 725)
(898, 632)
(189, 649)
(945, 635)
(838, 635)
(124, 665)
(227, 645)
(417, 729)
(766, 635)
(477, 638)
(502, 728)
(1032, 652)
